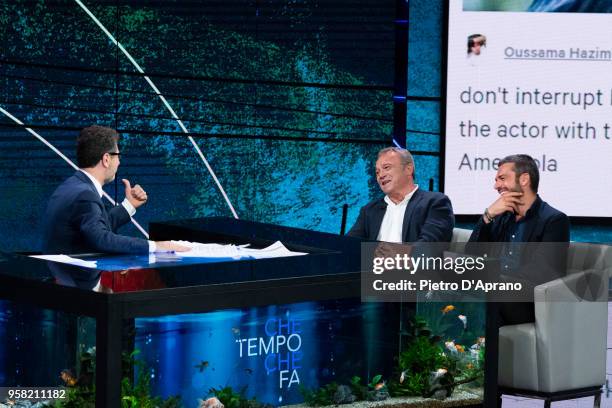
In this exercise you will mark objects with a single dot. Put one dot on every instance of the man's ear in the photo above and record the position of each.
(524, 180)
(105, 160)
(409, 168)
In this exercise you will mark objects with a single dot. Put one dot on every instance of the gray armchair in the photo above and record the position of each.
(562, 355)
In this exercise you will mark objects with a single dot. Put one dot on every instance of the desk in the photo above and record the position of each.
(328, 272)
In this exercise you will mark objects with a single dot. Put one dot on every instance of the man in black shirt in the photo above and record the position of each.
(519, 215)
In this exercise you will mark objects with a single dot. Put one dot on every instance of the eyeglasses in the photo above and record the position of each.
(114, 153)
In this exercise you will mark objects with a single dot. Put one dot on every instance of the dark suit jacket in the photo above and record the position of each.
(547, 225)
(428, 218)
(539, 263)
(77, 221)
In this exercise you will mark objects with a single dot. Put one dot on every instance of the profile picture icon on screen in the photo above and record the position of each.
(476, 45)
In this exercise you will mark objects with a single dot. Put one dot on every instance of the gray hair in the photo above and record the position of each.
(405, 156)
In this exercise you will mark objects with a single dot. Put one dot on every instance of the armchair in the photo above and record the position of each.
(562, 355)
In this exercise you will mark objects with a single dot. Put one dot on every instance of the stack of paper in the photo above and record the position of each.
(199, 250)
(276, 250)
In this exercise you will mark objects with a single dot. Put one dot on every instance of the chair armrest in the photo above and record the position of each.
(571, 330)
(587, 285)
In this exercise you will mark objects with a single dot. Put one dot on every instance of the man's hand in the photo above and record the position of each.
(135, 195)
(507, 201)
(391, 249)
(169, 246)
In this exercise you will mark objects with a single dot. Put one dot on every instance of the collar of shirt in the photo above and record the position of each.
(391, 228)
(535, 207)
(404, 202)
(95, 182)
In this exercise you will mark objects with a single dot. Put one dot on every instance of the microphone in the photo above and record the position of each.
(343, 223)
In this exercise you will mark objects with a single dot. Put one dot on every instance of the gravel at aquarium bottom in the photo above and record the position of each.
(462, 396)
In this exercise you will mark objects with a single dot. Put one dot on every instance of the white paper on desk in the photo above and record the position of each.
(276, 250)
(67, 260)
(200, 250)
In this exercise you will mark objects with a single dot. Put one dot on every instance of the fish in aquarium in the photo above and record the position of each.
(440, 372)
(460, 348)
(448, 308)
(380, 385)
(212, 402)
(403, 376)
(450, 345)
(463, 320)
(68, 378)
(202, 366)
(475, 348)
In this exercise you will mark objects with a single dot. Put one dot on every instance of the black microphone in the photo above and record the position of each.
(343, 223)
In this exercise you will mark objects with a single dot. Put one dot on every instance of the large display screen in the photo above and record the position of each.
(533, 79)
(288, 102)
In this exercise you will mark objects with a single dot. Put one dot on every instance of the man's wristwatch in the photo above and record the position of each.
(488, 216)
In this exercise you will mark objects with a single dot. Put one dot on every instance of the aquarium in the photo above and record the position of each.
(277, 354)
(337, 351)
(319, 353)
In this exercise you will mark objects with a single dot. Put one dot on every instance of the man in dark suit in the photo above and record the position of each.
(519, 215)
(406, 213)
(76, 219)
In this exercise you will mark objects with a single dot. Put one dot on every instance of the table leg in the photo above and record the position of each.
(108, 357)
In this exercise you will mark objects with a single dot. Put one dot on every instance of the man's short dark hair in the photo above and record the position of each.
(93, 142)
(524, 163)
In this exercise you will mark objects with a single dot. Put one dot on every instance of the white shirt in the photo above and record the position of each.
(393, 221)
(126, 203)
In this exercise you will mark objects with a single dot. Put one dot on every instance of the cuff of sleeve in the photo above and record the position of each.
(152, 246)
(98, 286)
(128, 207)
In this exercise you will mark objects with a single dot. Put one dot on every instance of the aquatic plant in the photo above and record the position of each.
(460, 321)
(360, 391)
(422, 356)
(473, 365)
(418, 326)
(81, 391)
(137, 394)
(429, 367)
(319, 397)
(364, 391)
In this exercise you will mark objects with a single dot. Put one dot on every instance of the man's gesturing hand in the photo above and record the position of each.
(135, 195)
